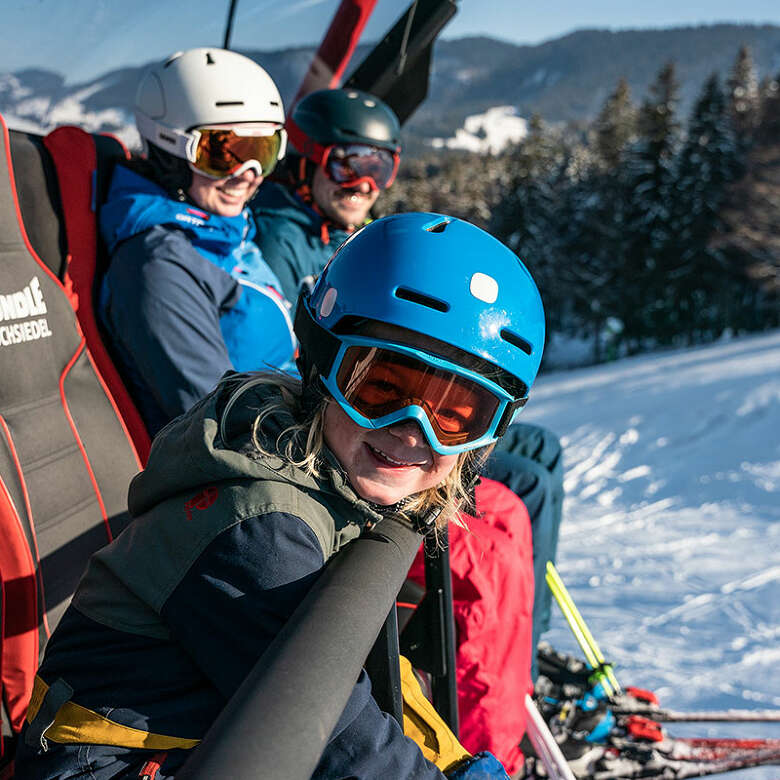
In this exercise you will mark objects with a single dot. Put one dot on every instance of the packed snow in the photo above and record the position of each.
(670, 543)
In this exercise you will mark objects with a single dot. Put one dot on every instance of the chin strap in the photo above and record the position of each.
(426, 523)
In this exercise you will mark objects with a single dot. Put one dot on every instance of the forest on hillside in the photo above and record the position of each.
(643, 228)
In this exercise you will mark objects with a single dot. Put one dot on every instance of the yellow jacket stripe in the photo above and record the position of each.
(425, 726)
(77, 724)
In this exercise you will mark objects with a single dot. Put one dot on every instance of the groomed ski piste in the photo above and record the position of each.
(670, 544)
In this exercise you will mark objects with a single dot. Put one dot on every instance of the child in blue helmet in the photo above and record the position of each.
(409, 378)
(349, 150)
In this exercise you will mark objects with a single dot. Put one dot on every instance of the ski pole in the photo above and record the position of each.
(575, 627)
(562, 595)
(591, 659)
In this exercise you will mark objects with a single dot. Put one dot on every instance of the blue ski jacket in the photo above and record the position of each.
(187, 296)
(290, 235)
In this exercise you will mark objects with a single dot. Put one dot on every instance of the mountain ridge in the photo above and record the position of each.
(563, 79)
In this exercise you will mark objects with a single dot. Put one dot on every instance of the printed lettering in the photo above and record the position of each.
(22, 301)
(6, 307)
(20, 332)
(191, 220)
(38, 302)
(28, 302)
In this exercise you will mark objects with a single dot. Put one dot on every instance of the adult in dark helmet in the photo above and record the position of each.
(187, 284)
(399, 402)
(350, 144)
(349, 150)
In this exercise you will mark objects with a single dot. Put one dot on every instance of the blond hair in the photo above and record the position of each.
(302, 442)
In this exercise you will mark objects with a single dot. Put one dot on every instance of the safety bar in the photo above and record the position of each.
(278, 722)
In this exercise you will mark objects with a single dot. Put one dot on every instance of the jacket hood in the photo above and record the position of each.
(190, 452)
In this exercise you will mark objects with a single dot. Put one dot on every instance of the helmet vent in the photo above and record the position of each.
(209, 58)
(172, 59)
(517, 341)
(405, 294)
(225, 103)
(439, 226)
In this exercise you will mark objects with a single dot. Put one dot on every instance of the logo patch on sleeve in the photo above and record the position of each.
(200, 501)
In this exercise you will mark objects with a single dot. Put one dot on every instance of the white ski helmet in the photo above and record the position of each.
(201, 87)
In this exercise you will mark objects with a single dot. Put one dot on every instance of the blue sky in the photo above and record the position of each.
(82, 38)
(526, 22)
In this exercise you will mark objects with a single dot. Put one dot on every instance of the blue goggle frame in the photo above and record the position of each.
(414, 411)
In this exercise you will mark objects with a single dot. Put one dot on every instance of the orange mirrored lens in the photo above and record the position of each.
(377, 382)
(221, 151)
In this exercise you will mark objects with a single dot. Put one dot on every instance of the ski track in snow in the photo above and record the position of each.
(670, 543)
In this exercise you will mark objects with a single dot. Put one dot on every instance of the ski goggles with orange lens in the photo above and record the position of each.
(352, 164)
(379, 384)
(229, 151)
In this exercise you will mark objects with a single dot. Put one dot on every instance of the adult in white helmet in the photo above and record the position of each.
(187, 294)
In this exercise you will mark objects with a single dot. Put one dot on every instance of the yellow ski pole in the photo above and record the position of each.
(562, 596)
(582, 641)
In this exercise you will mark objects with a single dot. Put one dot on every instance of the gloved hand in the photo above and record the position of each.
(482, 766)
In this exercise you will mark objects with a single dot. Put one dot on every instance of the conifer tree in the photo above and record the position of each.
(744, 102)
(750, 238)
(527, 216)
(593, 236)
(708, 162)
(650, 191)
(769, 122)
(616, 126)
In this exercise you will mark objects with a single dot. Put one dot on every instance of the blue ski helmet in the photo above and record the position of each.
(436, 275)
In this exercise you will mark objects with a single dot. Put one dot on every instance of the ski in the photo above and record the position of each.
(547, 749)
(597, 744)
(607, 763)
(671, 758)
(629, 705)
(702, 748)
(598, 676)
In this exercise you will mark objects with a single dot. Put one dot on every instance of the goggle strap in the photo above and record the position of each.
(315, 152)
(308, 147)
(176, 142)
(509, 413)
(314, 339)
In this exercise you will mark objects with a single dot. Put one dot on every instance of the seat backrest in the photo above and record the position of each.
(84, 164)
(65, 454)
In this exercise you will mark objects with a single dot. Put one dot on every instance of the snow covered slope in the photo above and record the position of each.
(670, 543)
